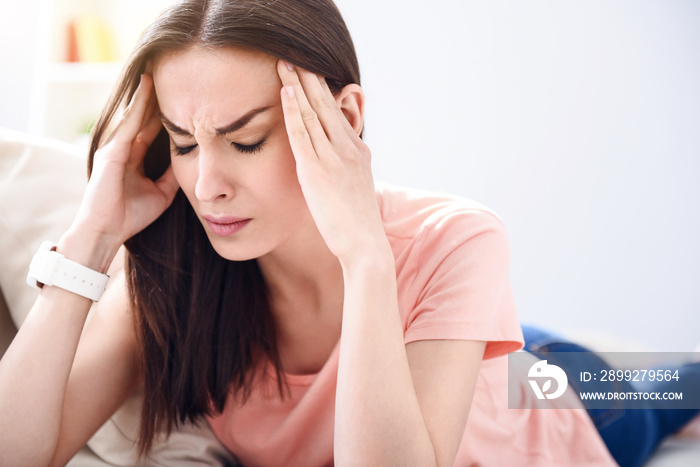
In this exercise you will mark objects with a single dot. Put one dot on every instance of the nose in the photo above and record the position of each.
(212, 181)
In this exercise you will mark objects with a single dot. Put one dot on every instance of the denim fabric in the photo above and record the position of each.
(631, 435)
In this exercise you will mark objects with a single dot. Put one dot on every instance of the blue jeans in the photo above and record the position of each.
(631, 435)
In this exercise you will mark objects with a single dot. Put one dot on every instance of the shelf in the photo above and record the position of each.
(68, 96)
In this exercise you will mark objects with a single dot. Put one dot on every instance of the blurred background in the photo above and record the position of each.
(578, 122)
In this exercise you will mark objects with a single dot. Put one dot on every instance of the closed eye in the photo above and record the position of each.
(244, 148)
(181, 151)
(249, 148)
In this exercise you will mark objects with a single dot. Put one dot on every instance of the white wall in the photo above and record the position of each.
(19, 29)
(579, 122)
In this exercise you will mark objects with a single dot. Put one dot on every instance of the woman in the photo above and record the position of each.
(309, 316)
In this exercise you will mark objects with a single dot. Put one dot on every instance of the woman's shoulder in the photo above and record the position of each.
(452, 268)
(411, 213)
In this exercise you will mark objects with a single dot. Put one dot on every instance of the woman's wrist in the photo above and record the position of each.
(377, 258)
(89, 250)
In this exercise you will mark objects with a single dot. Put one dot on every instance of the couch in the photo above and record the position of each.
(41, 184)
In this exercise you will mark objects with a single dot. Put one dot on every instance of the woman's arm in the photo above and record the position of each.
(104, 372)
(397, 404)
(54, 393)
(386, 407)
(51, 400)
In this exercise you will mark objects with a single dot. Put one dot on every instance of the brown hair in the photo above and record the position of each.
(203, 322)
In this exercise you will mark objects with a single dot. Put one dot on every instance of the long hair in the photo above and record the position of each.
(204, 323)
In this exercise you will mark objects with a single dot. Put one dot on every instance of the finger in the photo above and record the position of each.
(134, 114)
(348, 128)
(151, 107)
(117, 129)
(144, 139)
(299, 139)
(324, 105)
(307, 115)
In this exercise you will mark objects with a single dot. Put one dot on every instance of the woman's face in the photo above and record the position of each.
(230, 151)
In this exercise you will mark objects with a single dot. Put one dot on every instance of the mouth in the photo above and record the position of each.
(226, 226)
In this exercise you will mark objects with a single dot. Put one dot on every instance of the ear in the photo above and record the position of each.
(351, 101)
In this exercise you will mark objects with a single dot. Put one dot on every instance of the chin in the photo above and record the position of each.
(233, 251)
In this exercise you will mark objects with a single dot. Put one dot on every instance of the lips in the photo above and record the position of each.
(225, 226)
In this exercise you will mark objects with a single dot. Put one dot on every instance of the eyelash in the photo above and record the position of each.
(249, 149)
(246, 149)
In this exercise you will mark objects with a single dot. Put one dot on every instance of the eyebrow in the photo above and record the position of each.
(230, 128)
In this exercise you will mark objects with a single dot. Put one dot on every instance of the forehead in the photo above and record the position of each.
(214, 84)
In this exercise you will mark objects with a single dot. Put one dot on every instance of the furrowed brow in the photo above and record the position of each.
(241, 122)
(230, 128)
(173, 128)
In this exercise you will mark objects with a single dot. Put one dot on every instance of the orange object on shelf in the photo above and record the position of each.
(72, 44)
(90, 40)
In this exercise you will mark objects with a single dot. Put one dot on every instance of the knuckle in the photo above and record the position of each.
(309, 116)
(364, 150)
(300, 132)
(350, 149)
(359, 153)
(324, 102)
(140, 140)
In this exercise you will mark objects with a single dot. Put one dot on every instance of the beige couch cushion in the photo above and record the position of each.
(41, 185)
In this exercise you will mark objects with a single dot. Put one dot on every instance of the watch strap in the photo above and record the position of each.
(49, 267)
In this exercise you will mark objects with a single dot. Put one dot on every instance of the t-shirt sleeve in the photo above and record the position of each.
(461, 287)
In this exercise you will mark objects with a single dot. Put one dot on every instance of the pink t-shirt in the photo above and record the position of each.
(452, 270)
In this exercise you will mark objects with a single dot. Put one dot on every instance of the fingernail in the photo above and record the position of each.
(290, 67)
(290, 91)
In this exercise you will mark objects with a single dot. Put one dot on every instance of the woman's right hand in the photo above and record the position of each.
(120, 200)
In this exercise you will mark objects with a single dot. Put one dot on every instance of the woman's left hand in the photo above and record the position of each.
(333, 165)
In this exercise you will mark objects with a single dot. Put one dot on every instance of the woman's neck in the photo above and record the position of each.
(305, 292)
(302, 275)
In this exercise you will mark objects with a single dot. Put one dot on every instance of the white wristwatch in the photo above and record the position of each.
(49, 267)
